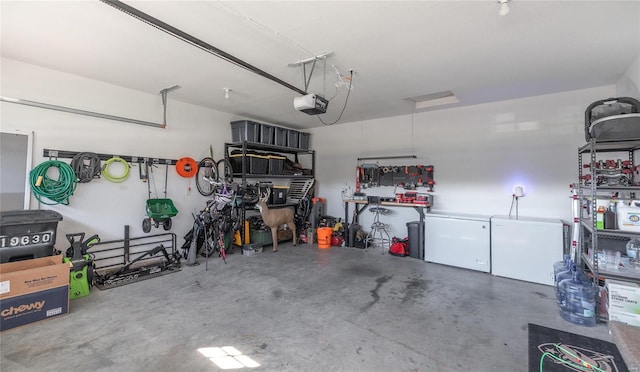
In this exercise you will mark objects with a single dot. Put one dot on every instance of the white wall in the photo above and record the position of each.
(629, 83)
(479, 153)
(101, 206)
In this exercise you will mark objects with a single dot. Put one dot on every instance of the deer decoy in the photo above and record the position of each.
(273, 218)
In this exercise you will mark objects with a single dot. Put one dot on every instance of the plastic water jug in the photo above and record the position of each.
(633, 249)
(568, 274)
(563, 275)
(629, 216)
(559, 267)
(579, 301)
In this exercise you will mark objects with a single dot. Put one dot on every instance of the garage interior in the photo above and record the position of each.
(454, 120)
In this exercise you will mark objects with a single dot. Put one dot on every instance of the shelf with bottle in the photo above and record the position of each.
(608, 182)
(626, 269)
(613, 258)
(614, 212)
(608, 233)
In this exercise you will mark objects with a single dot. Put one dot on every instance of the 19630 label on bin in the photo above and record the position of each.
(25, 239)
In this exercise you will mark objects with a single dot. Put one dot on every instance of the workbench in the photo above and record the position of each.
(362, 205)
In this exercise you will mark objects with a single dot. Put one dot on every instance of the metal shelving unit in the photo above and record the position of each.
(244, 146)
(299, 183)
(591, 239)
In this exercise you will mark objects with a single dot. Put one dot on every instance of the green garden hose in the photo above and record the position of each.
(57, 190)
(109, 176)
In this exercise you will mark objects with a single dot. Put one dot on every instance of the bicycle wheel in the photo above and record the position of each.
(235, 216)
(221, 246)
(207, 170)
(209, 243)
(226, 173)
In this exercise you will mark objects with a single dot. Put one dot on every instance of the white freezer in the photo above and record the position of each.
(526, 248)
(461, 240)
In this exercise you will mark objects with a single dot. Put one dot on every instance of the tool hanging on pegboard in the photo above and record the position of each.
(409, 177)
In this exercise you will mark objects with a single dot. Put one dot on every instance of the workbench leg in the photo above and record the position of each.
(346, 216)
(421, 232)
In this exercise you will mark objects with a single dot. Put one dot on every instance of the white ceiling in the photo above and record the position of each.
(398, 49)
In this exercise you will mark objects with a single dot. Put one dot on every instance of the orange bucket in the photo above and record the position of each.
(324, 237)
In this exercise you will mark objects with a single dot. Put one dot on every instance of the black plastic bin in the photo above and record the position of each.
(245, 130)
(293, 137)
(280, 136)
(27, 234)
(413, 232)
(276, 164)
(278, 195)
(267, 134)
(254, 163)
(303, 140)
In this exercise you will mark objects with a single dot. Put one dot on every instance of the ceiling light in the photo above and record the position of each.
(504, 7)
(226, 93)
(433, 99)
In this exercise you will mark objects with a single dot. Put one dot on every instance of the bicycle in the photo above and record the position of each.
(223, 220)
(219, 218)
(208, 175)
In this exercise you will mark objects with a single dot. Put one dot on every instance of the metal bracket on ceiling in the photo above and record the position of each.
(312, 60)
(164, 93)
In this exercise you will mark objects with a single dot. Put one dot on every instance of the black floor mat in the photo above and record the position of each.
(554, 350)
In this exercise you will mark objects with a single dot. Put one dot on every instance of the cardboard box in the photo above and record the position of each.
(623, 297)
(285, 235)
(33, 307)
(28, 276)
(628, 318)
(33, 290)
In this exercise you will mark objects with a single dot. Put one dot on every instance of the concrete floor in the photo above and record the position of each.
(301, 309)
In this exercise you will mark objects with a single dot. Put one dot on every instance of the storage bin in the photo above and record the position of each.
(261, 237)
(278, 195)
(276, 164)
(27, 234)
(254, 163)
(245, 130)
(303, 140)
(236, 162)
(292, 138)
(267, 134)
(251, 249)
(280, 136)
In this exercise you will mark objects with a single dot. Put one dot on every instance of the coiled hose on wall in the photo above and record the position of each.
(86, 165)
(108, 176)
(58, 190)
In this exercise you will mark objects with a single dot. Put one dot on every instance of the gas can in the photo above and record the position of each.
(629, 216)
